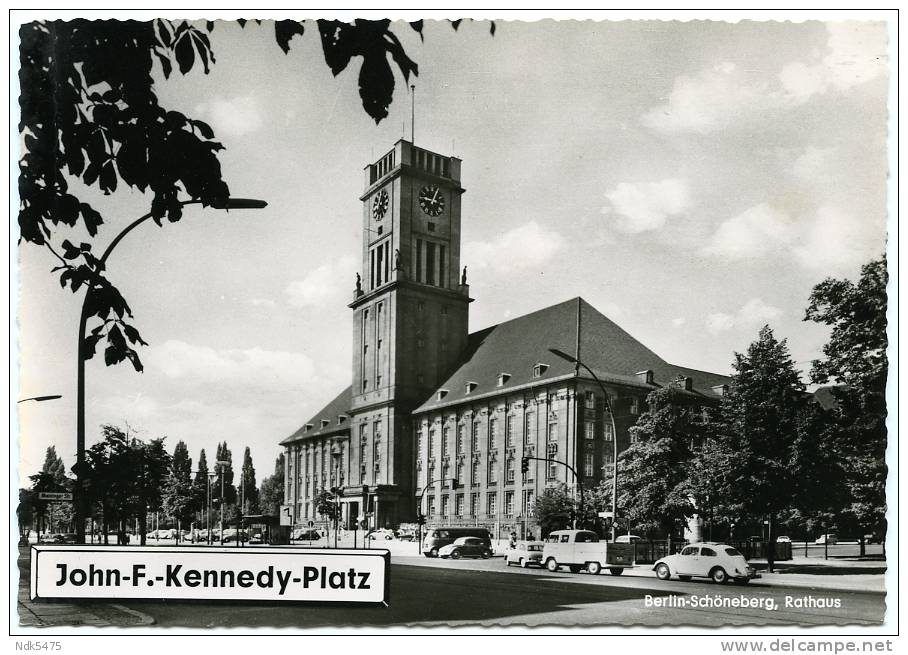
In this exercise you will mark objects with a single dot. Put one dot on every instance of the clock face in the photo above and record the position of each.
(431, 200)
(380, 205)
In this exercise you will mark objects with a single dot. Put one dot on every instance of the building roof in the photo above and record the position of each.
(515, 347)
(339, 407)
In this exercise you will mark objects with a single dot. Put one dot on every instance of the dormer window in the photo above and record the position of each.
(441, 394)
(470, 386)
(341, 418)
(503, 379)
(685, 382)
(307, 427)
(720, 389)
(539, 369)
(646, 377)
(325, 423)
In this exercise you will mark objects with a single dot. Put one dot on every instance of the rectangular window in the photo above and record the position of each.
(419, 446)
(476, 472)
(589, 399)
(509, 502)
(551, 452)
(387, 261)
(376, 451)
(509, 431)
(588, 464)
(445, 432)
(372, 269)
(431, 442)
(379, 264)
(528, 503)
(493, 472)
(419, 260)
(475, 437)
(431, 473)
(529, 427)
(589, 430)
(553, 433)
(430, 262)
(444, 505)
(493, 434)
(458, 447)
(608, 431)
(492, 503)
(431, 506)
(459, 474)
(634, 408)
(509, 471)
(474, 504)
(441, 266)
(458, 505)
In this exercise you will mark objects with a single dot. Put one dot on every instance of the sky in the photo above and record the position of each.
(691, 180)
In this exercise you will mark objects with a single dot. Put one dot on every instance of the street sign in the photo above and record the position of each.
(606, 515)
(285, 516)
(311, 524)
(53, 495)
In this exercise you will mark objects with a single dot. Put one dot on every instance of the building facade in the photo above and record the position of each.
(437, 419)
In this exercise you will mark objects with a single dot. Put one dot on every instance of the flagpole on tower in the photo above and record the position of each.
(413, 114)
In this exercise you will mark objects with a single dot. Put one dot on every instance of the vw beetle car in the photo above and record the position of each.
(466, 547)
(525, 553)
(706, 560)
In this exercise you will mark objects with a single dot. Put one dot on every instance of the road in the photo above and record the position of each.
(433, 592)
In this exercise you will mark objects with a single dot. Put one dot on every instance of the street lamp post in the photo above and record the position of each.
(39, 399)
(608, 408)
(221, 464)
(81, 352)
(336, 455)
(211, 477)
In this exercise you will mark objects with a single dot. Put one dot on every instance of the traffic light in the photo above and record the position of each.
(454, 483)
(421, 519)
(524, 465)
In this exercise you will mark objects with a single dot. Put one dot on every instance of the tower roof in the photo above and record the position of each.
(517, 346)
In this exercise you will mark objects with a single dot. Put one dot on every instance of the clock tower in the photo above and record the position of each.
(410, 318)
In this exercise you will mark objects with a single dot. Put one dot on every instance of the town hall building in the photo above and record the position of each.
(437, 419)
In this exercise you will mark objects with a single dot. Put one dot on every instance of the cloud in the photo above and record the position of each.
(856, 53)
(645, 206)
(232, 116)
(325, 284)
(754, 313)
(678, 322)
(829, 239)
(526, 247)
(813, 165)
(262, 302)
(253, 368)
(713, 99)
(754, 233)
(723, 96)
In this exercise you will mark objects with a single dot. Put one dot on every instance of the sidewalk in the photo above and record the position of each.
(46, 614)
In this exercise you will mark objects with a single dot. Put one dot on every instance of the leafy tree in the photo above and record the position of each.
(760, 419)
(272, 493)
(554, 509)
(225, 477)
(154, 468)
(200, 485)
(54, 465)
(855, 359)
(326, 506)
(25, 512)
(178, 499)
(89, 112)
(654, 493)
(248, 490)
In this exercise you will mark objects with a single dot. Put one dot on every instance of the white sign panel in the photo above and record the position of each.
(285, 515)
(54, 495)
(205, 573)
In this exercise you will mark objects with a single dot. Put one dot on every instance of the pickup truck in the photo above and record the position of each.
(581, 549)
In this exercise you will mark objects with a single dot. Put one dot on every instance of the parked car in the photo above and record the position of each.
(873, 539)
(67, 538)
(706, 560)
(525, 553)
(783, 539)
(466, 547)
(256, 537)
(406, 535)
(381, 533)
(628, 539)
(437, 538)
(307, 534)
(582, 549)
(827, 539)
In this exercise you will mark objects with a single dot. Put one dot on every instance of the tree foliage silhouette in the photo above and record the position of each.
(89, 112)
